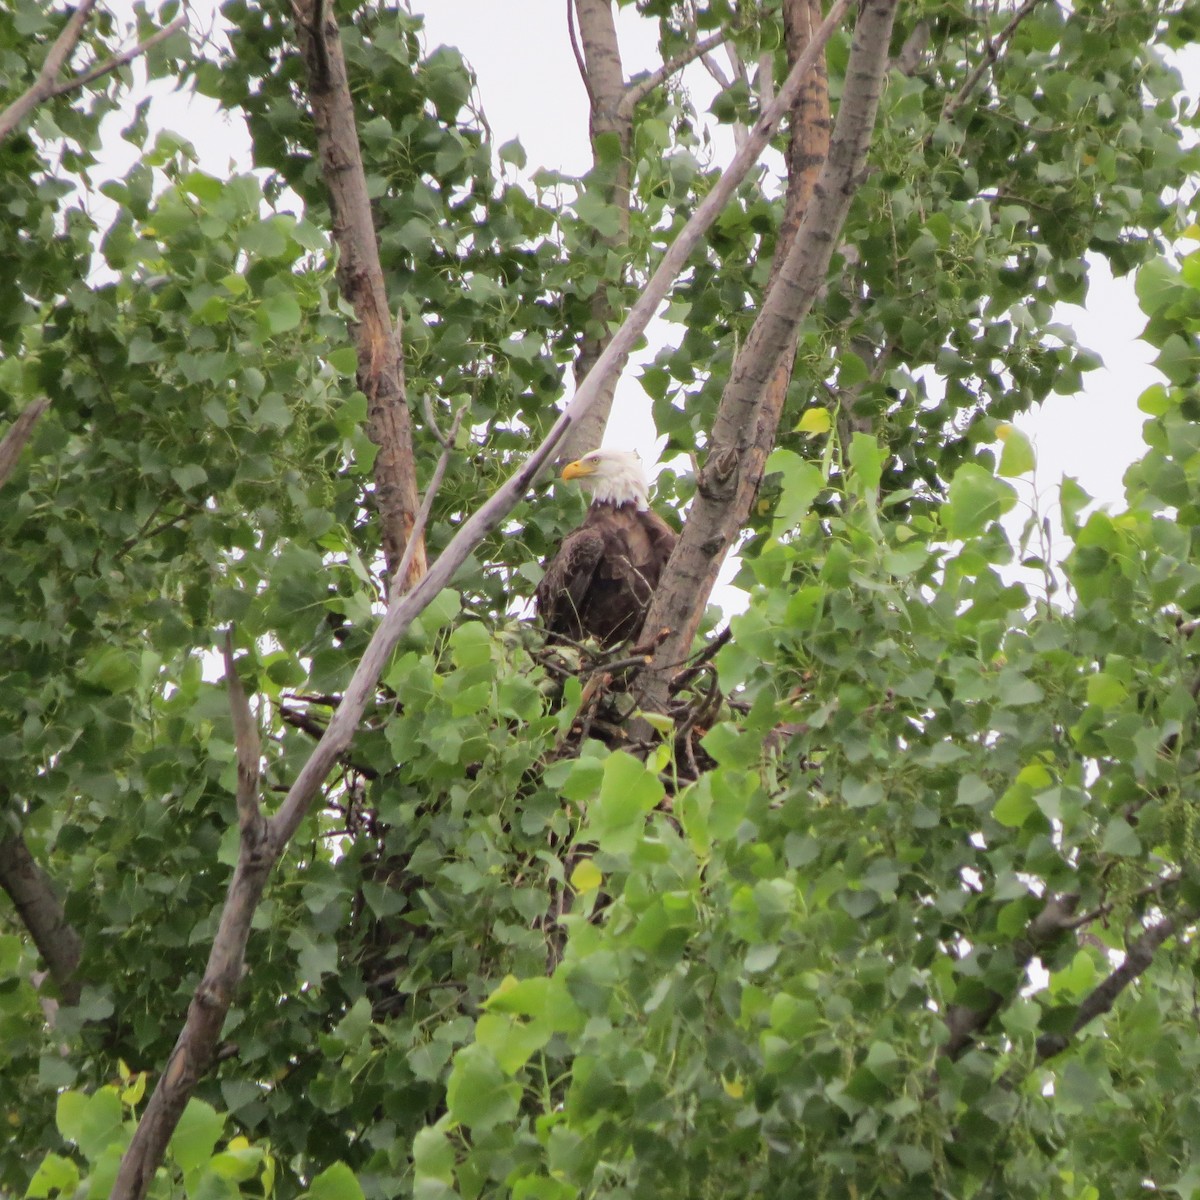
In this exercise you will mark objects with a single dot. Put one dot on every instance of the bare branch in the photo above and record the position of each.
(752, 402)
(43, 86)
(249, 749)
(598, 53)
(991, 54)
(913, 50)
(573, 34)
(41, 912)
(19, 432)
(432, 425)
(48, 85)
(637, 91)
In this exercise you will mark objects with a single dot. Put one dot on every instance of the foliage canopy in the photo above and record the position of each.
(910, 913)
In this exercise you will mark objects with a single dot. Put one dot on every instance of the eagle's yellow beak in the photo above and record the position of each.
(578, 469)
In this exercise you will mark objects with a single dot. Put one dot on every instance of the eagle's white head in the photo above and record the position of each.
(612, 476)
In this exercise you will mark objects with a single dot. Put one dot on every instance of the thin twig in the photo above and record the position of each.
(249, 750)
(431, 422)
(991, 55)
(1138, 957)
(422, 518)
(699, 659)
(120, 60)
(637, 91)
(62, 49)
(580, 62)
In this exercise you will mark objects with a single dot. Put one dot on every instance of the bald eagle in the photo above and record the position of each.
(600, 582)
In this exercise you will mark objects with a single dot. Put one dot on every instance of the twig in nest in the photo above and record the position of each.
(700, 660)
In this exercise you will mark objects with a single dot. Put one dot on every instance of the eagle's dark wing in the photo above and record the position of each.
(600, 582)
(562, 592)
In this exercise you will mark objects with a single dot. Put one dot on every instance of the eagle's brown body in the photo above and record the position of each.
(600, 582)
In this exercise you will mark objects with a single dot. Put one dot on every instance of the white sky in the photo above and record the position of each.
(529, 88)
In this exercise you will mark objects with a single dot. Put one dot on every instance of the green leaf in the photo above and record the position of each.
(1120, 839)
(478, 1093)
(866, 462)
(814, 421)
(93, 1122)
(802, 481)
(976, 499)
(628, 791)
(55, 1175)
(1017, 456)
(510, 1039)
(281, 312)
(199, 1128)
(336, 1182)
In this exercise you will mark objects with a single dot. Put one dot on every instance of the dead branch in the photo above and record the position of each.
(43, 87)
(41, 912)
(19, 432)
(637, 91)
(120, 60)
(418, 531)
(200, 1034)
(573, 34)
(361, 282)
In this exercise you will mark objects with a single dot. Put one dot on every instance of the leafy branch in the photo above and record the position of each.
(48, 84)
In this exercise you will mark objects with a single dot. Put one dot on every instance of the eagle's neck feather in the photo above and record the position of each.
(622, 486)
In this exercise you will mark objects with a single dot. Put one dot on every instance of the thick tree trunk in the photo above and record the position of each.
(360, 279)
(748, 416)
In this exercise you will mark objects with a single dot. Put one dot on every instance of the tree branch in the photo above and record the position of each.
(963, 1023)
(197, 1042)
(638, 90)
(361, 282)
(578, 53)
(752, 403)
(431, 491)
(48, 85)
(991, 55)
(120, 60)
(598, 53)
(38, 907)
(1100, 1000)
(249, 750)
(19, 432)
(43, 87)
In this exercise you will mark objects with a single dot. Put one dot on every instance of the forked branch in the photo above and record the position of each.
(49, 84)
